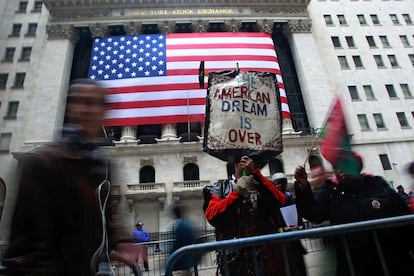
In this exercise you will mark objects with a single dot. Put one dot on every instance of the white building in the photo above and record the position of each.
(361, 49)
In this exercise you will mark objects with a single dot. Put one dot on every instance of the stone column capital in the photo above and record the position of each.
(265, 26)
(200, 26)
(298, 26)
(98, 30)
(233, 25)
(133, 28)
(166, 27)
(59, 31)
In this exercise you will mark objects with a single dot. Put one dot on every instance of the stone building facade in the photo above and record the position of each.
(326, 47)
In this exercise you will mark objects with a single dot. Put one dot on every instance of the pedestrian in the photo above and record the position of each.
(184, 234)
(298, 251)
(242, 207)
(62, 220)
(403, 194)
(140, 235)
(350, 198)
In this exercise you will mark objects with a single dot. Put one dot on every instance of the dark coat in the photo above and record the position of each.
(57, 225)
(371, 198)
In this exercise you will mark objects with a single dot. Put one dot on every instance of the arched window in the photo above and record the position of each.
(275, 165)
(191, 172)
(147, 175)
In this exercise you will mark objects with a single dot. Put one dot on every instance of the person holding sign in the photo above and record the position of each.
(246, 206)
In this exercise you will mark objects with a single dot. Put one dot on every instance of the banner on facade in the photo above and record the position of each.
(243, 116)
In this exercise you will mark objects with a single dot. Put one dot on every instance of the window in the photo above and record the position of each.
(404, 41)
(12, 110)
(394, 19)
(9, 54)
(361, 19)
(374, 19)
(16, 30)
(328, 20)
(19, 80)
(411, 57)
(402, 119)
(147, 175)
(371, 41)
(393, 60)
(22, 6)
(191, 172)
(343, 62)
(336, 42)
(353, 92)
(407, 19)
(378, 120)
(31, 29)
(357, 61)
(406, 90)
(386, 165)
(3, 80)
(363, 121)
(37, 6)
(369, 93)
(5, 139)
(379, 61)
(26, 51)
(384, 41)
(391, 91)
(341, 19)
(350, 41)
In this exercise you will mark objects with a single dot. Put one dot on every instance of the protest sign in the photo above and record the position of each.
(243, 116)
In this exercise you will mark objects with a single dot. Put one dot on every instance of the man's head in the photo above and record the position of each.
(400, 189)
(86, 107)
(139, 225)
(280, 180)
(347, 178)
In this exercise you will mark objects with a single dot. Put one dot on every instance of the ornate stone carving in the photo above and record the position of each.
(190, 159)
(146, 162)
(98, 30)
(59, 31)
(265, 26)
(166, 27)
(233, 25)
(298, 26)
(133, 28)
(200, 26)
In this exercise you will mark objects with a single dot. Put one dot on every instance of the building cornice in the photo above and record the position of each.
(142, 10)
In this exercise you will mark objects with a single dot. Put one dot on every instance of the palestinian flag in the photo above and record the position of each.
(335, 142)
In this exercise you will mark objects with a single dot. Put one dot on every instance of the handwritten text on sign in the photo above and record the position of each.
(244, 111)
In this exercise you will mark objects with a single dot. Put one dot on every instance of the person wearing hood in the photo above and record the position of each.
(352, 198)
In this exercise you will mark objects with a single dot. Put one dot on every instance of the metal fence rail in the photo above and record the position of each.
(342, 229)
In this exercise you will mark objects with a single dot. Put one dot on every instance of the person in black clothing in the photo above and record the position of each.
(349, 199)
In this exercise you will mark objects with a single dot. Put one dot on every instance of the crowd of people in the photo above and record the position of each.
(63, 223)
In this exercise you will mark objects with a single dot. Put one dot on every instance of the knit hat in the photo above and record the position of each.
(278, 175)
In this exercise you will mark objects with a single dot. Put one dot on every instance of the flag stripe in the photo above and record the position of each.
(154, 78)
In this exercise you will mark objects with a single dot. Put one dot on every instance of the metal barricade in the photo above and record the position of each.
(340, 230)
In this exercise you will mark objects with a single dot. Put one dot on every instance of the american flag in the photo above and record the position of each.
(153, 79)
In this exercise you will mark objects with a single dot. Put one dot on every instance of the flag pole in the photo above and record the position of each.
(310, 151)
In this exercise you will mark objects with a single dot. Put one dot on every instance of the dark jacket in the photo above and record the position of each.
(57, 225)
(234, 216)
(371, 198)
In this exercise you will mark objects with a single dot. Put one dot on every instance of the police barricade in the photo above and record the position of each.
(335, 230)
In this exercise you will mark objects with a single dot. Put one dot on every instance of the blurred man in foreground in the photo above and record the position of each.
(61, 224)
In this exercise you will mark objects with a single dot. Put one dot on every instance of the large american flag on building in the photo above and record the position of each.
(153, 79)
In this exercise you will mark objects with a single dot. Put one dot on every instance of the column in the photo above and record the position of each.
(46, 109)
(233, 25)
(287, 128)
(312, 82)
(128, 135)
(168, 131)
(168, 134)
